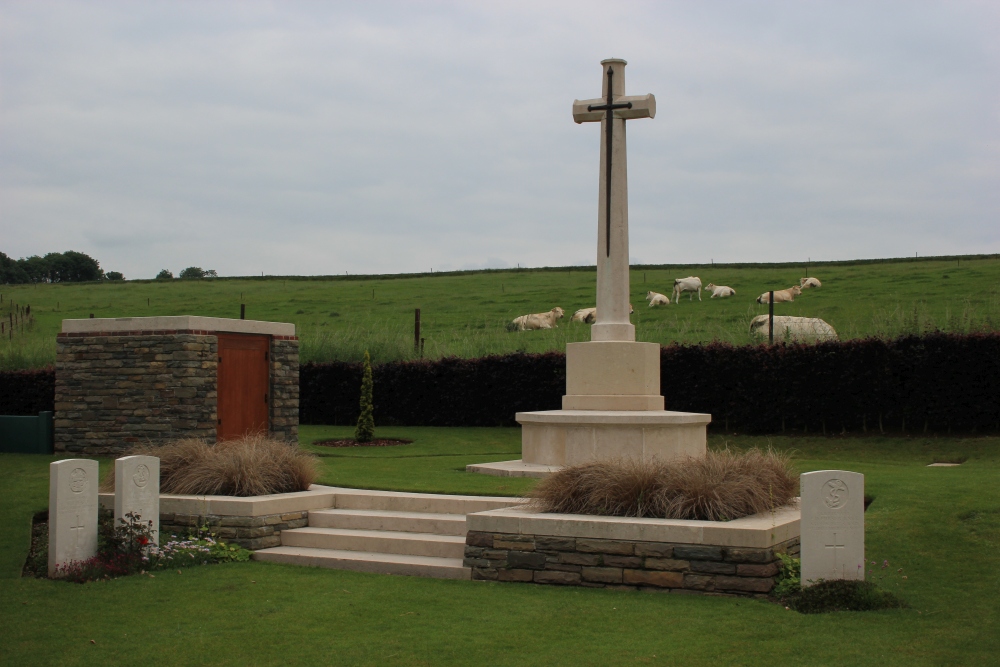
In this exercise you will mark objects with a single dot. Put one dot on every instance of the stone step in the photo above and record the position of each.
(376, 541)
(360, 561)
(434, 503)
(410, 522)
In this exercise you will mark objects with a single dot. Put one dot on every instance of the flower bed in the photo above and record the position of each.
(128, 547)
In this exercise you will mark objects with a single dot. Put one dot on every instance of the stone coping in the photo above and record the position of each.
(316, 498)
(516, 468)
(606, 417)
(135, 325)
(758, 531)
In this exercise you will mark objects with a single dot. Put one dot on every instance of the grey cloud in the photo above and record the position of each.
(296, 135)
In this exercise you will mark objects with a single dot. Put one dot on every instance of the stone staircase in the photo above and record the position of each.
(386, 532)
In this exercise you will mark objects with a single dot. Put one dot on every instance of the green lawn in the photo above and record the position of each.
(464, 314)
(942, 525)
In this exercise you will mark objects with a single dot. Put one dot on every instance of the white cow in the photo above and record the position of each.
(657, 299)
(781, 295)
(720, 291)
(806, 283)
(536, 320)
(689, 284)
(589, 315)
(793, 328)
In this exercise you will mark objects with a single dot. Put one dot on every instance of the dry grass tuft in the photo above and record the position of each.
(254, 465)
(720, 487)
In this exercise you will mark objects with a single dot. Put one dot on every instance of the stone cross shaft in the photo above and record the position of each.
(612, 109)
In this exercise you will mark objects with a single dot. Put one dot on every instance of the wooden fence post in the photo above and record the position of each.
(416, 330)
(770, 318)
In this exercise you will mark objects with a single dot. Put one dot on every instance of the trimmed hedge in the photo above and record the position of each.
(937, 382)
(934, 383)
(446, 392)
(27, 392)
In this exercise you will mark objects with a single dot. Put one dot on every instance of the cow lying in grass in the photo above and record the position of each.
(781, 295)
(589, 315)
(720, 291)
(657, 299)
(536, 321)
(690, 284)
(806, 283)
(793, 328)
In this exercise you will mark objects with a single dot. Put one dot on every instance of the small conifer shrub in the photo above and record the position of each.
(366, 420)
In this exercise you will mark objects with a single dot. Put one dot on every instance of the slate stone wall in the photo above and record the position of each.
(117, 391)
(114, 391)
(285, 388)
(250, 532)
(595, 563)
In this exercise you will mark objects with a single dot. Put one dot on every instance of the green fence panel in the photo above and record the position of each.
(26, 435)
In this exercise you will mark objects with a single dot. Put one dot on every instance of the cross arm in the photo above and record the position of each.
(643, 106)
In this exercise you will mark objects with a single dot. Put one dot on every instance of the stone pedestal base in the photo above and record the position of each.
(556, 438)
(613, 375)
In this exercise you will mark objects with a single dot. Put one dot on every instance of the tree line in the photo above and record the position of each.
(55, 267)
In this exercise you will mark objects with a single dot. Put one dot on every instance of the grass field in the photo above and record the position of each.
(942, 525)
(464, 314)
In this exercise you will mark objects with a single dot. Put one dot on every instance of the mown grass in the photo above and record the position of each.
(942, 525)
(464, 314)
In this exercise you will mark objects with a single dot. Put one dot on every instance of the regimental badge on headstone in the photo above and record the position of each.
(137, 490)
(72, 511)
(833, 525)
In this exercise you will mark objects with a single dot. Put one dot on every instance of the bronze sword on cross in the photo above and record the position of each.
(608, 107)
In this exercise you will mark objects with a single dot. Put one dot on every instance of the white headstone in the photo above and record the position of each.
(72, 511)
(137, 489)
(832, 530)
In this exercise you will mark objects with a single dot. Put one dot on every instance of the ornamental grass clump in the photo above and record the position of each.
(254, 465)
(719, 487)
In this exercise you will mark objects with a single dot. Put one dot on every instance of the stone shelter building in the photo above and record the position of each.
(135, 380)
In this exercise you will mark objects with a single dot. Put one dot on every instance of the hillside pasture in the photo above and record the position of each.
(464, 314)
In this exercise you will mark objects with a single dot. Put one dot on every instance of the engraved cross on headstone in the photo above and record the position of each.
(77, 529)
(834, 547)
(612, 110)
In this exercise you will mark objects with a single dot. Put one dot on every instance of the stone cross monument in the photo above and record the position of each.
(612, 110)
(612, 407)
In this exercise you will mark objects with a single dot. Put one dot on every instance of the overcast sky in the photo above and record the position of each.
(386, 137)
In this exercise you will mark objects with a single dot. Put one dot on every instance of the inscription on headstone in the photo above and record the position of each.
(72, 511)
(137, 489)
(833, 525)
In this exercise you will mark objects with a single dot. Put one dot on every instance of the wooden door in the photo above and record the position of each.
(244, 385)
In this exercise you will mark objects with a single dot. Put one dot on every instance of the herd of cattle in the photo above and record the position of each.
(789, 328)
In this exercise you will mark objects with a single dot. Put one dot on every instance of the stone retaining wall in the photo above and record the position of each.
(599, 563)
(250, 532)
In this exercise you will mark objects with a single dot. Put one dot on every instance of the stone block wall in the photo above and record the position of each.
(597, 563)
(250, 532)
(285, 388)
(115, 391)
